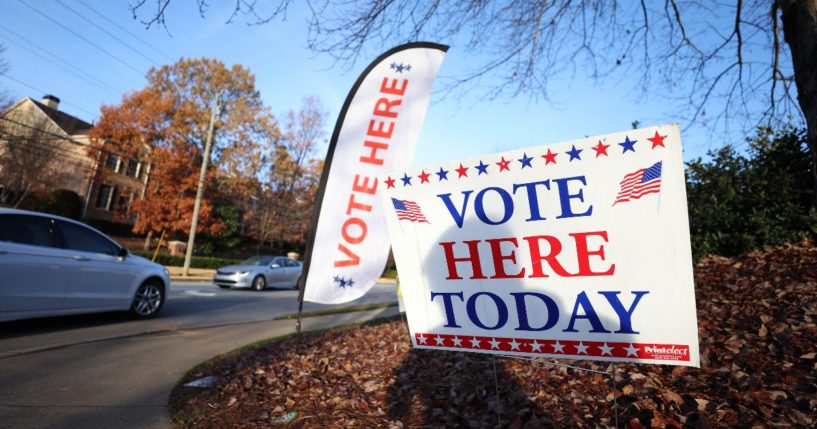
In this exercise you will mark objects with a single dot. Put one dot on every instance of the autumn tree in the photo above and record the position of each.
(168, 119)
(723, 63)
(284, 206)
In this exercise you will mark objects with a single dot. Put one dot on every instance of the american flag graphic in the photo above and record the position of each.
(408, 210)
(639, 183)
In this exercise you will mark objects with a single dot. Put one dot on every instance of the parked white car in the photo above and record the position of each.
(52, 266)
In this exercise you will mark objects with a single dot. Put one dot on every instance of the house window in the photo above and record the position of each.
(112, 162)
(104, 197)
(122, 203)
(133, 168)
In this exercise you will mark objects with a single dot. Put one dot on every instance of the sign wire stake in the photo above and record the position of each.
(496, 389)
(615, 389)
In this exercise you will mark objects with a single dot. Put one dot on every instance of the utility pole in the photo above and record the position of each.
(191, 239)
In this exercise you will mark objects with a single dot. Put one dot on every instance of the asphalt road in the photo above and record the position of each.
(189, 305)
(106, 371)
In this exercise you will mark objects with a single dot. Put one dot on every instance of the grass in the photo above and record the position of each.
(324, 312)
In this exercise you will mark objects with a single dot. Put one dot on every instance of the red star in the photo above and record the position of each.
(462, 171)
(503, 165)
(423, 177)
(657, 140)
(390, 182)
(550, 157)
(601, 149)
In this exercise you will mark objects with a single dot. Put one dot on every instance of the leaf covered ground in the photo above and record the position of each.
(757, 317)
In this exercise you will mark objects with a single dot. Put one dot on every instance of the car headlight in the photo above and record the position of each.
(167, 272)
(243, 273)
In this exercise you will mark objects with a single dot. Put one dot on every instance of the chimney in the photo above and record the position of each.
(51, 101)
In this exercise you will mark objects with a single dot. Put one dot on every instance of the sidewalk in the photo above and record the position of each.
(206, 275)
(196, 274)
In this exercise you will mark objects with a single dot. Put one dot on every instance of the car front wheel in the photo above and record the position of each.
(259, 283)
(148, 300)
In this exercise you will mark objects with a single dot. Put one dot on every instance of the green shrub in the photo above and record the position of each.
(195, 261)
(65, 203)
(738, 203)
(118, 229)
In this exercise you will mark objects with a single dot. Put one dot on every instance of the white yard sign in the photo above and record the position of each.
(574, 250)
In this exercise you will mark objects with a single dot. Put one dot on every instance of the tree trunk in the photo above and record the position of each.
(800, 31)
(148, 239)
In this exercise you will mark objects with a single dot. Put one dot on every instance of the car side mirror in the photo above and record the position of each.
(122, 253)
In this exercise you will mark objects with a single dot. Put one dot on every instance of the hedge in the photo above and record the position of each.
(195, 261)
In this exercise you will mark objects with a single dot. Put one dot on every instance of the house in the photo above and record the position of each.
(43, 149)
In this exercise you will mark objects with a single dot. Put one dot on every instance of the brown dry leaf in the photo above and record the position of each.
(757, 325)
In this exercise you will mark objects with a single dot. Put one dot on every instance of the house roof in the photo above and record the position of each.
(70, 124)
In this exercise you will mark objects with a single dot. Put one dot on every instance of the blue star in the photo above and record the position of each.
(408, 67)
(336, 279)
(628, 145)
(400, 68)
(342, 282)
(393, 66)
(443, 174)
(482, 167)
(574, 153)
(525, 160)
(406, 179)
(349, 282)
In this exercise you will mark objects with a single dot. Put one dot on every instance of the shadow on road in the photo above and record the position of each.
(21, 328)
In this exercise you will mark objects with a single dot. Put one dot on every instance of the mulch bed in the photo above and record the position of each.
(757, 317)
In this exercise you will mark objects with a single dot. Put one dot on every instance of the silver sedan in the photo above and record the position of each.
(259, 272)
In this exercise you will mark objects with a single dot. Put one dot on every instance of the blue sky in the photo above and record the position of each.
(286, 71)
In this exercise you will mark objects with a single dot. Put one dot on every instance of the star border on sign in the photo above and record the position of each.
(406, 180)
(525, 160)
(462, 171)
(657, 140)
(601, 149)
(482, 168)
(628, 145)
(423, 176)
(390, 182)
(504, 164)
(550, 157)
(442, 174)
(574, 153)
(581, 349)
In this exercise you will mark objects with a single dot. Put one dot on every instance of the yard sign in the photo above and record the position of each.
(575, 250)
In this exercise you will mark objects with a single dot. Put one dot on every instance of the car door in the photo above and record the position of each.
(33, 269)
(99, 278)
(293, 271)
(277, 273)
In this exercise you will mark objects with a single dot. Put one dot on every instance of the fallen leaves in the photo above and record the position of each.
(757, 318)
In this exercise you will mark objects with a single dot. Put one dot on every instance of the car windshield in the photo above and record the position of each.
(258, 260)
